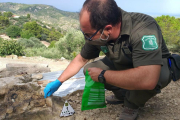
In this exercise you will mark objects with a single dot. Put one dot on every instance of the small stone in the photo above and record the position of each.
(9, 110)
(77, 101)
(34, 80)
(44, 106)
(38, 76)
(62, 58)
(78, 94)
(49, 102)
(176, 103)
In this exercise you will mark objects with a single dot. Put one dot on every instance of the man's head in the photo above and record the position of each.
(99, 15)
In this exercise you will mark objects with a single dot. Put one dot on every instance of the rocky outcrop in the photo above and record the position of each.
(22, 99)
(13, 69)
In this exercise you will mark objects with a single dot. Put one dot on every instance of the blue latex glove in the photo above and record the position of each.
(51, 88)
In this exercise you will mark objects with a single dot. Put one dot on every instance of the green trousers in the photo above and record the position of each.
(133, 98)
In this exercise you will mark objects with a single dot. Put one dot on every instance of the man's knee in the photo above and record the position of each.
(86, 67)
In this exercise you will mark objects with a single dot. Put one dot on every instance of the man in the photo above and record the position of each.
(135, 67)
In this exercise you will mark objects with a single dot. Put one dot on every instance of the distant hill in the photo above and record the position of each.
(45, 13)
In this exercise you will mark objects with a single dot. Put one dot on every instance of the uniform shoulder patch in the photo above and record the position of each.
(149, 42)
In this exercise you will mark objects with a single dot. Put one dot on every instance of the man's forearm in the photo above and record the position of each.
(144, 78)
(77, 63)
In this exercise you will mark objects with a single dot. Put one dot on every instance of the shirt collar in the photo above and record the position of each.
(126, 24)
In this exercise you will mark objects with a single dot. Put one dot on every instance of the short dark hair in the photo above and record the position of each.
(102, 13)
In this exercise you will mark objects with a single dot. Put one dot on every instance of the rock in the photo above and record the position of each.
(34, 80)
(37, 76)
(19, 100)
(49, 102)
(78, 94)
(62, 58)
(18, 69)
(2, 69)
(26, 78)
(9, 110)
(43, 82)
(39, 102)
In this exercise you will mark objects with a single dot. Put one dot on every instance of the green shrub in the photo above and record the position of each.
(2, 31)
(43, 37)
(4, 21)
(51, 53)
(26, 42)
(70, 45)
(52, 45)
(31, 42)
(11, 47)
(13, 31)
(37, 42)
(174, 48)
(1, 39)
(7, 14)
(27, 34)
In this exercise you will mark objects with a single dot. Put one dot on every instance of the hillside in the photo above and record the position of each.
(45, 13)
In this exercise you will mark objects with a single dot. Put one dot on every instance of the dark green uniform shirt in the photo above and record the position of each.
(140, 43)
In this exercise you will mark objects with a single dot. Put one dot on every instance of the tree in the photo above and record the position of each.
(7, 14)
(43, 37)
(54, 35)
(13, 31)
(70, 45)
(28, 16)
(33, 28)
(4, 21)
(27, 34)
(170, 27)
(0, 14)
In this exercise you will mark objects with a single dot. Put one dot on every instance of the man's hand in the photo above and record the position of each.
(94, 73)
(51, 88)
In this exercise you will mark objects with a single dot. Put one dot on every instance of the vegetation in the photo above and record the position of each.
(25, 27)
(13, 31)
(170, 27)
(10, 47)
(32, 42)
(4, 22)
(28, 16)
(7, 14)
(71, 44)
(61, 31)
(33, 28)
(68, 47)
(27, 34)
(44, 13)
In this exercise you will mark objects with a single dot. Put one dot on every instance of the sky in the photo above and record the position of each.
(151, 7)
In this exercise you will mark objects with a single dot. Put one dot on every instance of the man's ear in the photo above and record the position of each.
(108, 29)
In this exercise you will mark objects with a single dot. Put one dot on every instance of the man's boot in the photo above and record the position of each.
(129, 114)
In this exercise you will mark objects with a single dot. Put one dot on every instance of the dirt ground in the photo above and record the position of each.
(164, 106)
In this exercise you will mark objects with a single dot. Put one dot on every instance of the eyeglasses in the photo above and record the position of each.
(89, 38)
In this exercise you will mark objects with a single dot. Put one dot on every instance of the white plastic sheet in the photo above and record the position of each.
(77, 82)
